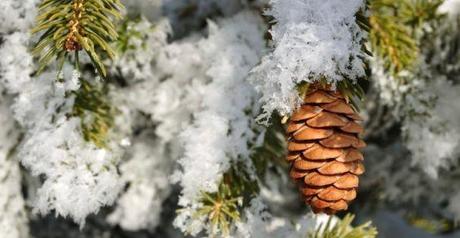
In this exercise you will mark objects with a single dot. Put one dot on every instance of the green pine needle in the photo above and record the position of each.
(272, 151)
(96, 114)
(391, 40)
(431, 225)
(415, 13)
(127, 33)
(71, 25)
(344, 229)
(222, 208)
(394, 30)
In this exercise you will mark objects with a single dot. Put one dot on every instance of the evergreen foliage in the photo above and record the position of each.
(343, 229)
(96, 113)
(72, 25)
(223, 208)
(394, 28)
(409, 40)
(127, 34)
(272, 150)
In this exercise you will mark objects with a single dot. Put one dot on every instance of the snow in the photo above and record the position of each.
(220, 130)
(451, 7)
(13, 218)
(260, 223)
(144, 41)
(16, 15)
(435, 140)
(141, 205)
(187, 94)
(79, 178)
(312, 39)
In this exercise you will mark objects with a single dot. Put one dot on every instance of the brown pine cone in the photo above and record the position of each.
(323, 150)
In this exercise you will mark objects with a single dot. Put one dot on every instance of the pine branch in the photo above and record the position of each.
(75, 25)
(127, 33)
(431, 225)
(417, 12)
(343, 229)
(441, 47)
(390, 38)
(96, 113)
(394, 30)
(272, 151)
(222, 208)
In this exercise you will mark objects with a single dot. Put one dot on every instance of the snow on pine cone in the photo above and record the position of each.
(323, 150)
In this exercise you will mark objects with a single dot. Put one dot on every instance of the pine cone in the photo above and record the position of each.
(323, 150)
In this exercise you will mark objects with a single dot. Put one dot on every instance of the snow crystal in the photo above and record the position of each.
(435, 140)
(451, 7)
(389, 169)
(221, 128)
(13, 217)
(189, 15)
(148, 8)
(312, 39)
(259, 223)
(78, 177)
(146, 174)
(16, 63)
(136, 62)
(429, 118)
(17, 15)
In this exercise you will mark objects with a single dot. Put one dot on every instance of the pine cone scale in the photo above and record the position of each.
(319, 152)
(332, 194)
(319, 96)
(310, 133)
(339, 106)
(306, 112)
(352, 127)
(334, 167)
(323, 143)
(302, 164)
(339, 140)
(327, 119)
(317, 179)
(294, 146)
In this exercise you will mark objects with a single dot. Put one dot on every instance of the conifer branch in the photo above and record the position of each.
(415, 13)
(390, 39)
(343, 229)
(75, 25)
(272, 151)
(222, 208)
(394, 27)
(95, 111)
(431, 225)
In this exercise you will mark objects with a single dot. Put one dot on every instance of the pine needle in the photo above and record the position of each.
(344, 229)
(394, 30)
(74, 25)
(96, 114)
(222, 208)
